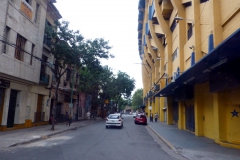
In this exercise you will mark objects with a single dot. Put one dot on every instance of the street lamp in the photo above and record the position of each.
(180, 18)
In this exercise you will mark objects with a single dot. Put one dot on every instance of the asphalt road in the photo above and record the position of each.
(95, 142)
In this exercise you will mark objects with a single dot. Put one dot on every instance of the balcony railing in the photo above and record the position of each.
(44, 78)
(39, 116)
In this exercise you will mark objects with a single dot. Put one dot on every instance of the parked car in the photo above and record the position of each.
(134, 115)
(140, 119)
(114, 120)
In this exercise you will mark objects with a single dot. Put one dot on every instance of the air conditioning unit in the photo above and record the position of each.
(165, 75)
(174, 76)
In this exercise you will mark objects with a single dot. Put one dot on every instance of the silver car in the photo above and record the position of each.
(114, 120)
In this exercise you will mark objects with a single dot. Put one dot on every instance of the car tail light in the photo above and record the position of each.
(106, 119)
(119, 120)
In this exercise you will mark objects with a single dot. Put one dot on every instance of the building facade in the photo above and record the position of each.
(190, 53)
(24, 93)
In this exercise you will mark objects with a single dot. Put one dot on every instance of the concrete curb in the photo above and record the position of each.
(50, 135)
(164, 140)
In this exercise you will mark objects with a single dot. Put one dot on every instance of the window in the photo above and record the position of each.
(6, 36)
(175, 54)
(189, 32)
(173, 26)
(164, 41)
(43, 66)
(36, 13)
(32, 51)
(203, 1)
(188, 4)
(29, 2)
(20, 46)
(47, 37)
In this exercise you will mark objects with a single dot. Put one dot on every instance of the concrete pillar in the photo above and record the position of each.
(181, 115)
(198, 109)
(170, 110)
(219, 117)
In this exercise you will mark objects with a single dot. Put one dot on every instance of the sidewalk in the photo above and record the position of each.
(23, 136)
(191, 146)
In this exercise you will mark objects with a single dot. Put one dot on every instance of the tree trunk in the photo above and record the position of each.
(54, 106)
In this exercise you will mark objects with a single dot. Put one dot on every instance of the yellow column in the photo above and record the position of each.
(198, 109)
(170, 110)
(219, 117)
(153, 107)
(157, 104)
(149, 104)
(161, 114)
(181, 115)
(216, 22)
(197, 29)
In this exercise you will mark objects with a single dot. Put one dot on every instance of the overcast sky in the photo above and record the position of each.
(113, 20)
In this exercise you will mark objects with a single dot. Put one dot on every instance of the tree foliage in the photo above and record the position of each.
(72, 52)
(137, 99)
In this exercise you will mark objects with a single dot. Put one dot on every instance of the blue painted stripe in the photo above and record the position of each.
(140, 15)
(141, 4)
(193, 59)
(140, 26)
(210, 43)
(147, 29)
(151, 11)
(144, 41)
(139, 35)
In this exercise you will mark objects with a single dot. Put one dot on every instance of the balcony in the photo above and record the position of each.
(44, 78)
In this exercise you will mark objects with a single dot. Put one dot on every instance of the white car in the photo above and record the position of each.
(114, 120)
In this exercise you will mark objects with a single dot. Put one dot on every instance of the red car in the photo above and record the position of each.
(140, 119)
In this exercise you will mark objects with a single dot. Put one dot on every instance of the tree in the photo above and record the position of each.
(123, 86)
(137, 99)
(71, 52)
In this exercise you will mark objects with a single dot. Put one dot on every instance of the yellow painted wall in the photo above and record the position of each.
(231, 26)
(228, 7)
(208, 123)
(232, 101)
(205, 25)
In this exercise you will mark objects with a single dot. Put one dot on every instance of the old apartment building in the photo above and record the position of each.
(24, 79)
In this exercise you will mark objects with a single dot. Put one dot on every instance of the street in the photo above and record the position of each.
(96, 142)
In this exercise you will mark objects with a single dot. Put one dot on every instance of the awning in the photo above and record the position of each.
(225, 53)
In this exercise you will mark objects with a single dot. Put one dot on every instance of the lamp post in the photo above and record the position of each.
(180, 19)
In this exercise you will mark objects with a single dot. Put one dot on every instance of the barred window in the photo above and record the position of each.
(189, 31)
(175, 54)
(20, 46)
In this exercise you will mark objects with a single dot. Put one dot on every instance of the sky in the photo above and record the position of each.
(114, 20)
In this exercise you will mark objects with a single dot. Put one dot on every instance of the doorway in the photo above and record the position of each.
(11, 109)
(59, 115)
(190, 121)
(38, 114)
(2, 94)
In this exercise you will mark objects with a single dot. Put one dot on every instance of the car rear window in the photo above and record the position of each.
(142, 116)
(113, 116)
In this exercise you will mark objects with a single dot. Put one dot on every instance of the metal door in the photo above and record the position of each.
(190, 121)
(11, 109)
(2, 93)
